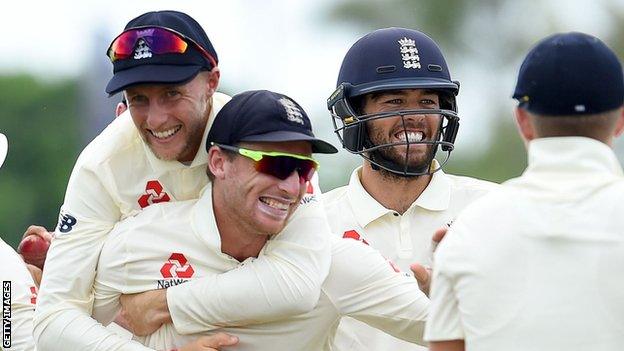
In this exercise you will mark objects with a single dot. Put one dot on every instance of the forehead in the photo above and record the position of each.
(292, 147)
(403, 92)
(194, 83)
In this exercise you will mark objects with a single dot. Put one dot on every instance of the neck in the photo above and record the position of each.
(237, 240)
(391, 191)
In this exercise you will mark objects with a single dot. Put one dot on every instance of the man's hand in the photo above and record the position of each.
(210, 343)
(145, 312)
(36, 273)
(423, 273)
(40, 231)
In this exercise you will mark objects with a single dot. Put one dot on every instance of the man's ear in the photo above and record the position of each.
(213, 80)
(619, 126)
(217, 162)
(524, 123)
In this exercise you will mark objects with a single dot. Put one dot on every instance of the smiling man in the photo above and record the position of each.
(395, 106)
(259, 162)
(168, 70)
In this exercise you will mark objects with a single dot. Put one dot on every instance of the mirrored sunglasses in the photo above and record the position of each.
(160, 40)
(278, 164)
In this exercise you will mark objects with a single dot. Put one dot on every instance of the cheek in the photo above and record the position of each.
(139, 116)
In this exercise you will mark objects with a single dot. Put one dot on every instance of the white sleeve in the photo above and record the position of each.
(365, 286)
(66, 297)
(284, 280)
(444, 318)
(18, 284)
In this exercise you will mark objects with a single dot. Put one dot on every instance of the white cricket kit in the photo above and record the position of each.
(360, 283)
(538, 263)
(117, 176)
(18, 286)
(403, 239)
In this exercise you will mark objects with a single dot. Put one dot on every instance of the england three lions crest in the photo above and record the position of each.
(409, 53)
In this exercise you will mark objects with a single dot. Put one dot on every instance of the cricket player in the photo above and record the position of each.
(19, 292)
(395, 106)
(259, 162)
(537, 264)
(167, 69)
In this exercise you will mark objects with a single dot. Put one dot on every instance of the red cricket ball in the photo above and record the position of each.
(34, 250)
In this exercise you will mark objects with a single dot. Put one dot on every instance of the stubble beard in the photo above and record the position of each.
(391, 154)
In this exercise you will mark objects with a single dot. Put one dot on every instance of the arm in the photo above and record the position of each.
(444, 324)
(453, 345)
(363, 285)
(284, 280)
(66, 298)
(17, 282)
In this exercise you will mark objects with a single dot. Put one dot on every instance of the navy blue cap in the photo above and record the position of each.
(164, 68)
(395, 58)
(264, 116)
(570, 74)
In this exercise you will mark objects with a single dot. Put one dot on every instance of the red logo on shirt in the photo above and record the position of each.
(352, 234)
(153, 194)
(33, 295)
(177, 267)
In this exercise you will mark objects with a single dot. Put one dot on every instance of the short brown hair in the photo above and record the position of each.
(596, 126)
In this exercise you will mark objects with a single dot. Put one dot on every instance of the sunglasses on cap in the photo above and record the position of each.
(278, 164)
(160, 40)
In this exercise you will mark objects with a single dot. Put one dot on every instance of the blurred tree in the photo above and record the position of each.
(40, 121)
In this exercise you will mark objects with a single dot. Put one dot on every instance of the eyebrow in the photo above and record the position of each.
(402, 92)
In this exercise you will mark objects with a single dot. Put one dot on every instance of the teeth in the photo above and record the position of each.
(274, 203)
(166, 133)
(411, 136)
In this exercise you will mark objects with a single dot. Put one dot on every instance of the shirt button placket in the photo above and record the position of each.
(405, 239)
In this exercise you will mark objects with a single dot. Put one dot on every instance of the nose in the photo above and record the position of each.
(292, 185)
(157, 116)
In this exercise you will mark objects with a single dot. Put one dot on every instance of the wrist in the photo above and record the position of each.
(162, 309)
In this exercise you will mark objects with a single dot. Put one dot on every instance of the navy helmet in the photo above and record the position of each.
(385, 60)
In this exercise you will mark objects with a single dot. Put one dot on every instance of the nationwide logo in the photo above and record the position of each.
(33, 295)
(352, 234)
(176, 270)
(309, 195)
(153, 194)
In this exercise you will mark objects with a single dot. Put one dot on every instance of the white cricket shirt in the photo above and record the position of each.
(117, 176)
(403, 239)
(538, 263)
(20, 293)
(360, 283)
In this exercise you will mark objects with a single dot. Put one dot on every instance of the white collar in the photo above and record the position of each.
(435, 197)
(575, 155)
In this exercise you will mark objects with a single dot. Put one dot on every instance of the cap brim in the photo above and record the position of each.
(151, 74)
(318, 146)
(4, 148)
(404, 83)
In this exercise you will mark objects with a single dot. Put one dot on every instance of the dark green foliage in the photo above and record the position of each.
(40, 121)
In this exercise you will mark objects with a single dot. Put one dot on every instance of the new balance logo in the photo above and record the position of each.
(66, 223)
(153, 194)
